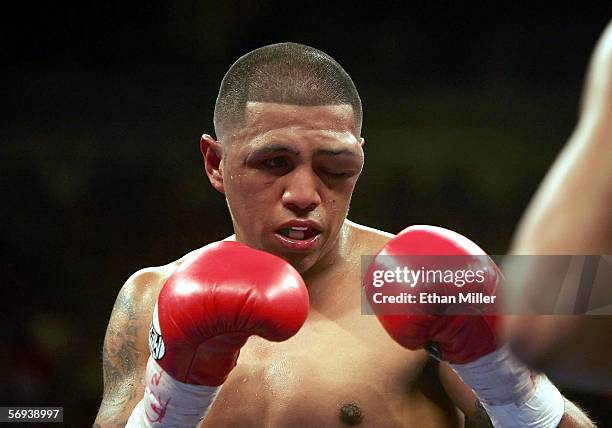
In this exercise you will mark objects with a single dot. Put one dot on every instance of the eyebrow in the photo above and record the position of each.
(274, 148)
(282, 148)
(335, 152)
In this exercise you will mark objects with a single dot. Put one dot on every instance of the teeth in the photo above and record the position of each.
(296, 234)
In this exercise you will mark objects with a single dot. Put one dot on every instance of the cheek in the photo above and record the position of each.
(338, 199)
(342, 193)
(246, 193)
(253, 187)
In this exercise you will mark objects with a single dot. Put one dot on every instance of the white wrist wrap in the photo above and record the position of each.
(512, 394)
(170, 403)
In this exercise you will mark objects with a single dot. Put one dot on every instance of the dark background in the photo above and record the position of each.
(465, 109)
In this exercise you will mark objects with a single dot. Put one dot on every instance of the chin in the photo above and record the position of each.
(301, 262)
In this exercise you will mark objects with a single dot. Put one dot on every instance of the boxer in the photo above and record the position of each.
(571, 213)
(205, 339)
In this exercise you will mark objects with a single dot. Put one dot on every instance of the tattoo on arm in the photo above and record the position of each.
(480, 419)
(120, 355)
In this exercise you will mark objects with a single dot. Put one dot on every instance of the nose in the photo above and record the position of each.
(301, 194)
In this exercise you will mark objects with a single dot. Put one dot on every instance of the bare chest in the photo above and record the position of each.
(329, 375)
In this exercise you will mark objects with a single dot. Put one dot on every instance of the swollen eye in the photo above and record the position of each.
(336, 174)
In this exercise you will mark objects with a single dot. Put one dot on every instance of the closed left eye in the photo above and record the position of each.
(335, 174)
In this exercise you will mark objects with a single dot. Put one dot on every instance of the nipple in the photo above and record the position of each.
(351, 414)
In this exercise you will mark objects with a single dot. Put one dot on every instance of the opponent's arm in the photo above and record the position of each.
(125, 350)
(570, 213)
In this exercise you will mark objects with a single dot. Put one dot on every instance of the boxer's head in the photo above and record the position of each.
(289, 152)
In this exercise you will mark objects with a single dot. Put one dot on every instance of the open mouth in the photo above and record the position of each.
(298, 233)
(299, 236)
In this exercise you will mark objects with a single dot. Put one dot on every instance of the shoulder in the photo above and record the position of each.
(140, 290)
(367, 240)
(143, 286)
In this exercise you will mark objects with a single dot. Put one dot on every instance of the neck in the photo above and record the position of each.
(336, 254)
(326, 280)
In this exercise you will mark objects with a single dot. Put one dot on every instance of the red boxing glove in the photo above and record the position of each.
(459, 338)
(216, 299)
(459, 331)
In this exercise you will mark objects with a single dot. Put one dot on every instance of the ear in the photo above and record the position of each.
(361, 141)
(212, 151)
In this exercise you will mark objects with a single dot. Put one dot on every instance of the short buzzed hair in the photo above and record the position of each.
(284, 73)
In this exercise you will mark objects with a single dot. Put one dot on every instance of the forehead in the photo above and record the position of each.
(262, 118)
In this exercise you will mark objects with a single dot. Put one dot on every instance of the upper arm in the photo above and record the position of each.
(125, 351)
(569, 213)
